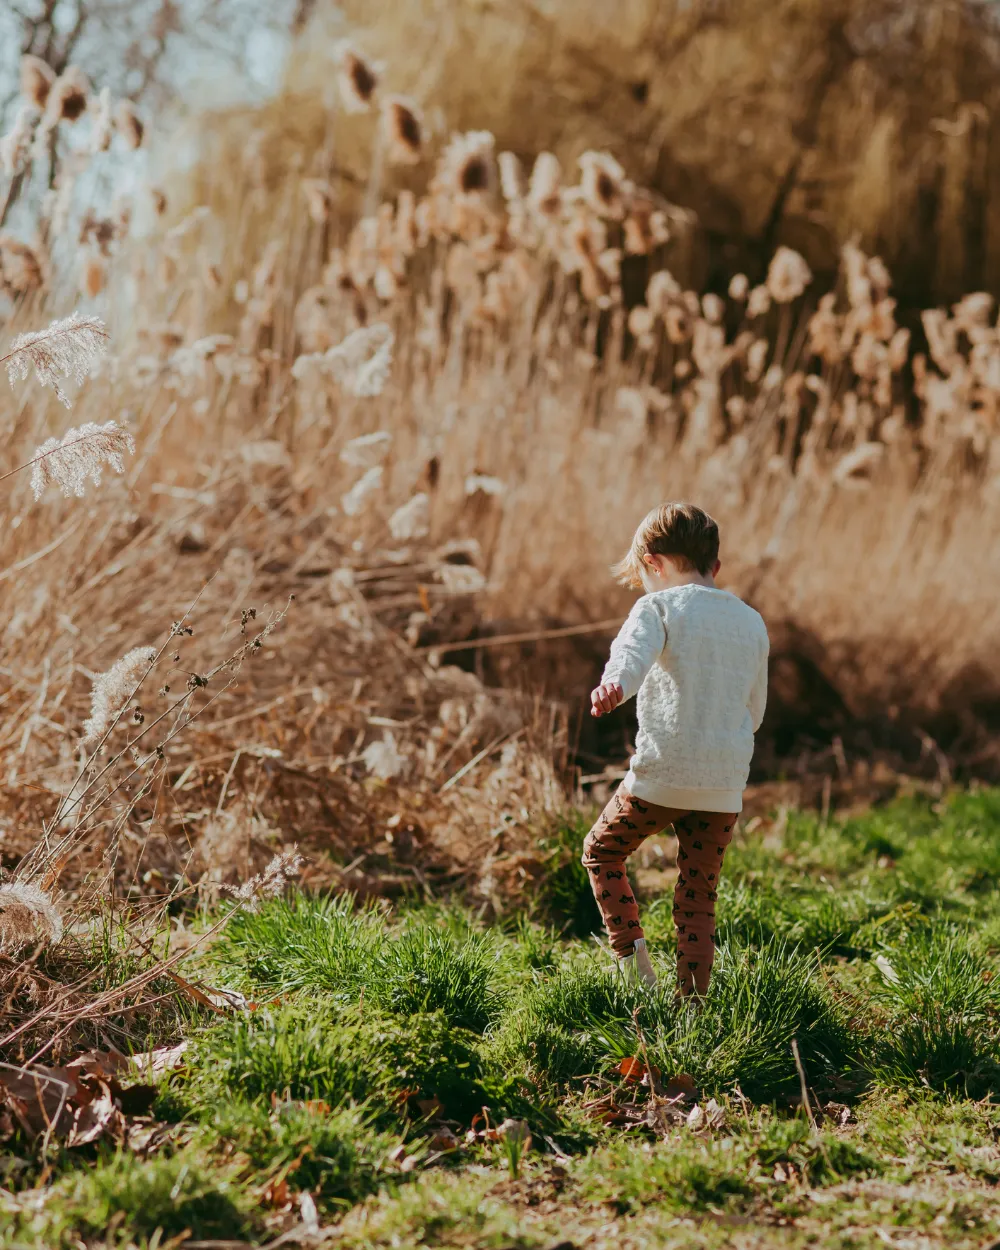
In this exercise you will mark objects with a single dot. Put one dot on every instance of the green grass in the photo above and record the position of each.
(871, 943)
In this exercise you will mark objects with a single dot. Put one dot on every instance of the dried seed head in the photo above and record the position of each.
(114, 689)
(129, 124)
(358, 78)
(759, 303)
(788, 275)
(67, 100)
(468, 168)
(360, 364)
(319, 198)
(403, 130)
(36, 80)
(602, 184)
(511, 177)
(367, 450)
(544, 189)
(20, 267)
(28, 917)
(412, 520)
(79, 457)
(362, 492)
(269, 883)
(739, 287)
(70, 347)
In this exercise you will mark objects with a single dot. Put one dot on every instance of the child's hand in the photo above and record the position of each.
(606, 698)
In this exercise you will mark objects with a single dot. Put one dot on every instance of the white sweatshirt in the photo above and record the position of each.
(697, 658)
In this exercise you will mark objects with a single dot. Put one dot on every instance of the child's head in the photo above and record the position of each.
(674, 542)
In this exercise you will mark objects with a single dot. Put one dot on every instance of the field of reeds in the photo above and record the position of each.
(310, 585)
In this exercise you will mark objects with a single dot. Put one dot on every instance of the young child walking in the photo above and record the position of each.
(696, 657)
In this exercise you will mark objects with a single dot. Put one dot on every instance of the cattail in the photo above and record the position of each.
(641, 321)
(403, 130)
(367, 450)
(113, 689)
(544, 189)
(15, 146)
(70, 347)
(739, 287)
(788, 275)
(36, 80)
(357, 77)
(713, 308)
(412, 520)
(28, 917)
(269, 883)
(467, 166)
(511, 177)
(80, 455)
(100, 136)
(759, 302)
(645, 226)
(129, 125)
(68, 99)
(20, 267)
(602, 184)
(319, 198)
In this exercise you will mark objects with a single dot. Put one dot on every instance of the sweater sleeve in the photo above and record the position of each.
(758, 695)
(634, 652)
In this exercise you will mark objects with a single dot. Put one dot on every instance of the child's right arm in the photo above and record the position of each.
(633, 653)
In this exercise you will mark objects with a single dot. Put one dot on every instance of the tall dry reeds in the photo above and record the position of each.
(450, 408)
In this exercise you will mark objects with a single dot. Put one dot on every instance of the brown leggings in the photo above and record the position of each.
(702, 838)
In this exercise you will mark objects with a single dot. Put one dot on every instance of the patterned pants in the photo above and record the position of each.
(702, 838)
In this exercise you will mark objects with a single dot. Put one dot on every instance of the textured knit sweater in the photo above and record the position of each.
(697, 659)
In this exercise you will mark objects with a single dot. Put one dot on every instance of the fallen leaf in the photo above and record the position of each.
(696, 1117)
(632, 1069)
(100, 1118)
(681, 1086)
(154, 1063)
(276, 1193)
(444, 1139)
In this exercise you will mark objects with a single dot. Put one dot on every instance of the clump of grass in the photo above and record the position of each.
(943, 1005)
(761, 998)
(311, 1050)
(336, 1154)
(324, 944)
(564, 895)
(170, 1193)
(430, 969)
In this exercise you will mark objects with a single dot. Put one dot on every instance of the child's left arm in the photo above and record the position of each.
(633, 653)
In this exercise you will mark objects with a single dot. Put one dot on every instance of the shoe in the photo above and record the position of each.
(638, 965)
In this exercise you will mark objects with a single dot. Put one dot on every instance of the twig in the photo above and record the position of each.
(455, 778)
(502, 640)
(802, 1083)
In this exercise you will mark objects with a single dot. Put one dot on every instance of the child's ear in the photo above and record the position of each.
(716, 567)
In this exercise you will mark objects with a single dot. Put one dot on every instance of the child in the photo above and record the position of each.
(696, 656)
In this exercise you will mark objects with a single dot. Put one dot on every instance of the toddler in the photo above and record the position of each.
(696, 657)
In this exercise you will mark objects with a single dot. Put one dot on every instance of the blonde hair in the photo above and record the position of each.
(685, 533)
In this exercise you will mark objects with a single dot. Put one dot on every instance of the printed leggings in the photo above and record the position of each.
(702, 838)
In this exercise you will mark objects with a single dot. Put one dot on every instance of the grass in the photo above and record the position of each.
(378, 1039)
